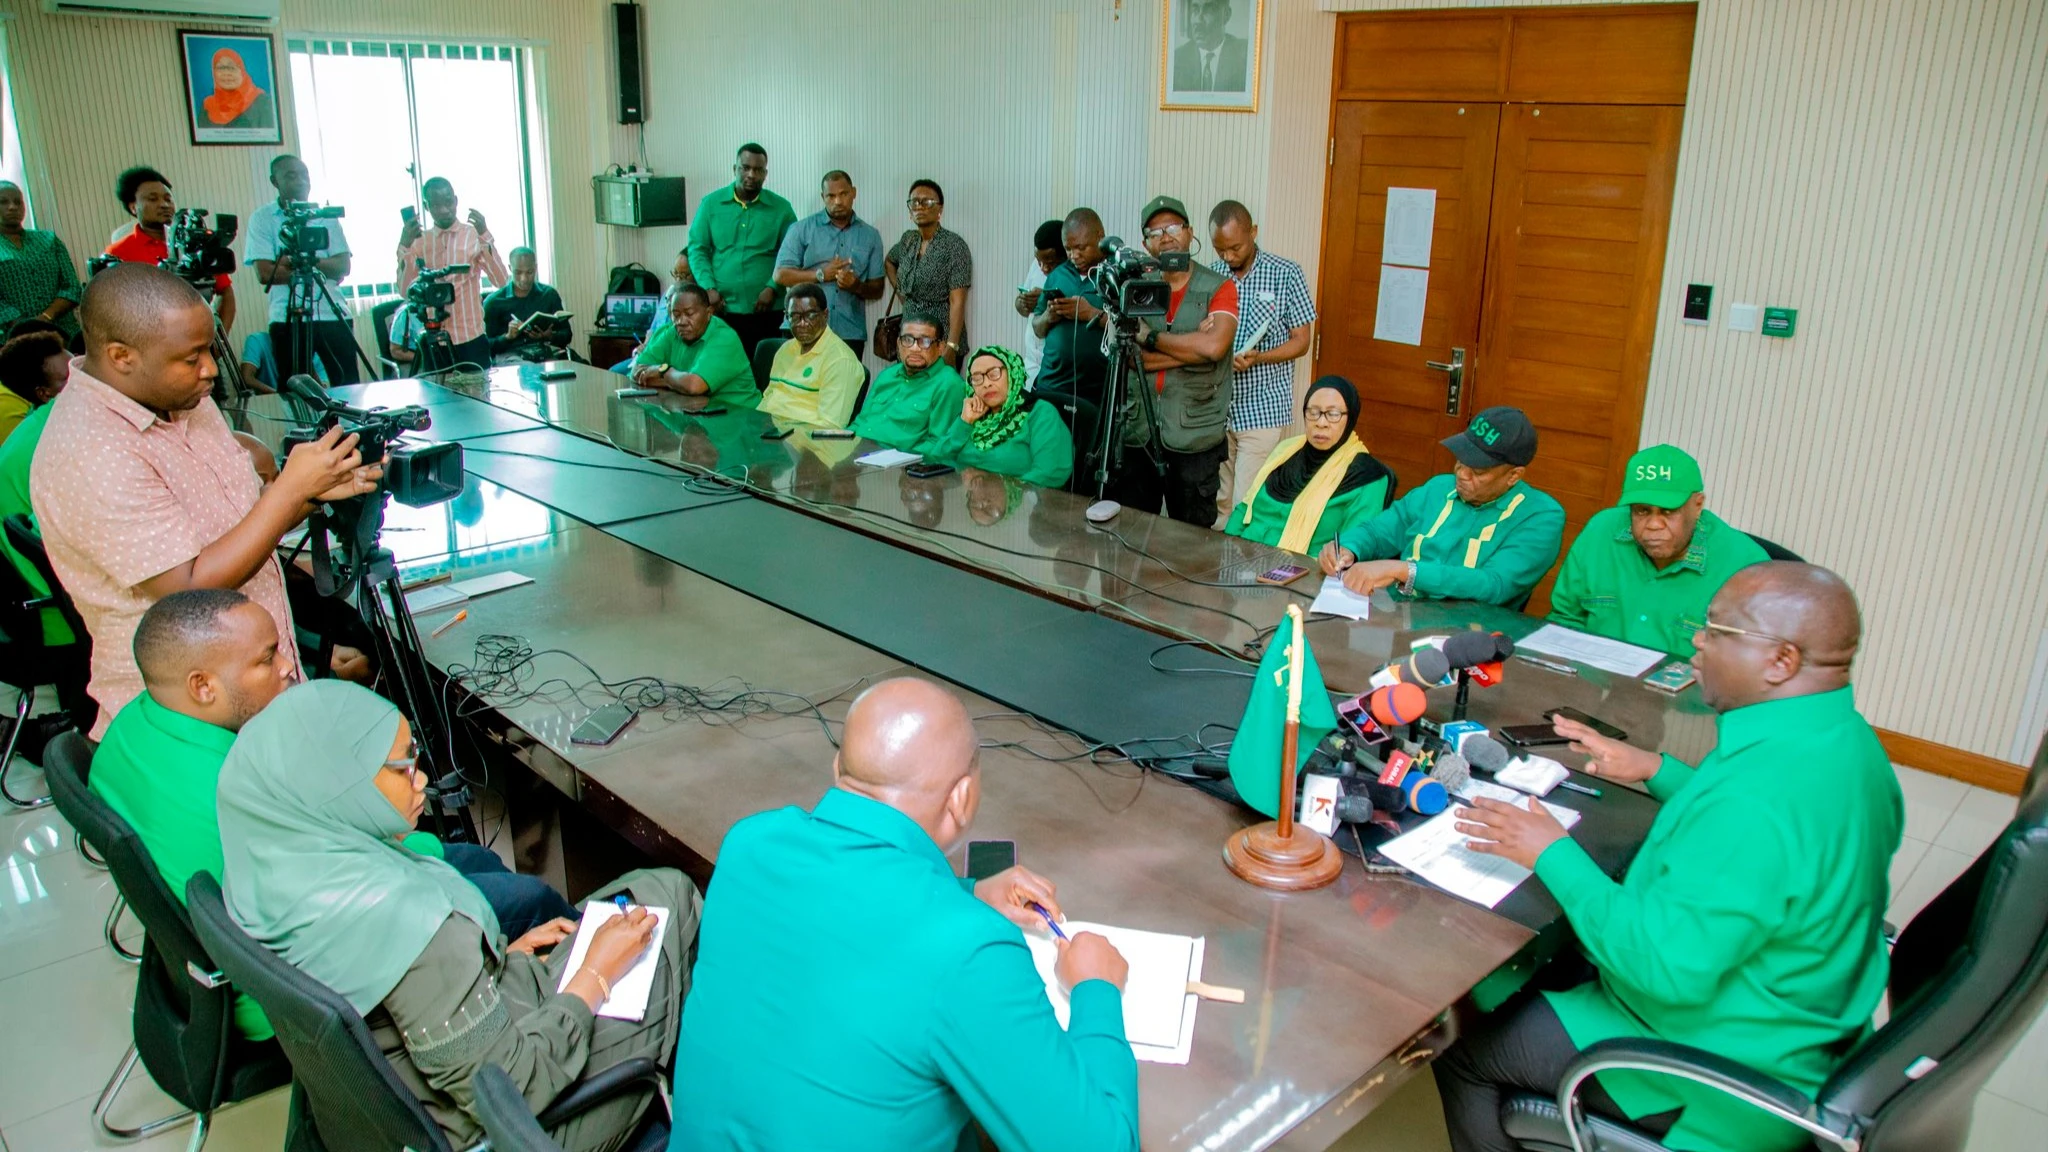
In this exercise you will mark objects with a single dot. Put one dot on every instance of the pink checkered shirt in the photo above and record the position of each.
(462, 244)
(122, 495)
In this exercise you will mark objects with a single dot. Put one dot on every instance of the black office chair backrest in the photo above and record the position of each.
(1775, 550)
(380, 319)
(182, 1027)
(502, 1110)
(764, 359)
(1969, 975)
(356, 1098)
(25, 538)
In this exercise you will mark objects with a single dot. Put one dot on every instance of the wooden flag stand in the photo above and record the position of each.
(1276, 854)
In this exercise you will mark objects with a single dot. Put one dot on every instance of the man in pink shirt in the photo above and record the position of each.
(140, 488)
(454, 242)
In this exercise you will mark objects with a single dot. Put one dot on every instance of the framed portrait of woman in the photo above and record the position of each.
(230, 88)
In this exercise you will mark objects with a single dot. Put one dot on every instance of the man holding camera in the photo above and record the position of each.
(465, 243)
(146, 194)
(140, 488)
(325, 332)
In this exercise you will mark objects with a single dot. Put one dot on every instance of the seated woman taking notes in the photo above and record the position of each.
(1313, 487)
(1003, 428)
(315, 794)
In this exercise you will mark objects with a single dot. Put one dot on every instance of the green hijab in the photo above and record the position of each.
(311, 862)
(1003, 423)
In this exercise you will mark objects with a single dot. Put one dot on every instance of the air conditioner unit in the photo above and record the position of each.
(207, 11)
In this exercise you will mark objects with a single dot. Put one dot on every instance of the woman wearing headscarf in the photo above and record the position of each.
(1314, 486)
(1003, 428)
(236, 101)
(313, 798)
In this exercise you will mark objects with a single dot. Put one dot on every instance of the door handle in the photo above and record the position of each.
(1453, 395)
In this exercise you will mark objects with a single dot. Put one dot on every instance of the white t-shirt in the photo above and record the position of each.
(264, 225)
(1034, 345)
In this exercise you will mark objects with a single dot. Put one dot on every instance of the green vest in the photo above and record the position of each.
(1194, 410)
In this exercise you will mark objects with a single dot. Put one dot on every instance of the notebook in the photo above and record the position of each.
(631, 991)
(1159, 1011)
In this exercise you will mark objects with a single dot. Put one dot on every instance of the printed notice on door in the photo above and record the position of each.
(1411, 221)
(1403, 293)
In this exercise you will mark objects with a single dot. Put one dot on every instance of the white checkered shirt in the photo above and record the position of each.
(1263, 396)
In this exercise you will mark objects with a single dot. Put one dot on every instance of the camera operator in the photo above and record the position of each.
(145, 194)
(141, 490)
(1187, 364)
(454, 242)
(326, 332)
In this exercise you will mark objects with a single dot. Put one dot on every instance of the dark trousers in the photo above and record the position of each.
(522, 903)
(330, 340)
(1521, 1046)
(1188, 486)
(477, 352)
(753, 327)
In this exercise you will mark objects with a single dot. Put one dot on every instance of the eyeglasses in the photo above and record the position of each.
(921, 202)
(1326, 415)
(988, 375)
(1712, 628)
(908, 341)
(807, 316)
(1165, 230)
(408, 763)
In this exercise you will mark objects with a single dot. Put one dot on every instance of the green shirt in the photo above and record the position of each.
(1608, 587)
(733, 245)
(1269, 516)
(716, 357)
(912, 411)
(15, 457)
(1041, 452)
(1494, 553)
(851, 993)
(1750, 923)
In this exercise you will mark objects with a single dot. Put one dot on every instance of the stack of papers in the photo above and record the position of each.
(1442, 855)
(1594, 651)
(888, 458)
(1159, 1011)
(1337, 600)
(629, 992)
(436, 596)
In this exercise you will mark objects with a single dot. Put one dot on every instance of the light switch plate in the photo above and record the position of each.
(1743, 317)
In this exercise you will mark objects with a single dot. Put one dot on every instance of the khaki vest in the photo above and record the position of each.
(1194, 411)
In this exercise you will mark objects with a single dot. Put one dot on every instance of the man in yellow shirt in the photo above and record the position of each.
(816, 378)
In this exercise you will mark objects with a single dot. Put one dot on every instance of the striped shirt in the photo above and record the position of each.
(1272, 289)
(461, 244)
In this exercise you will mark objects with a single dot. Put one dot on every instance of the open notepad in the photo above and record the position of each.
(629, 992)
(1159, 1011)
(1442, 855)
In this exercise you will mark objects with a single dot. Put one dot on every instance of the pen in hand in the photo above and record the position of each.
(1049, 921)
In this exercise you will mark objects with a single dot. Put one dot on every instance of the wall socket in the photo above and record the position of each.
(1744, 317)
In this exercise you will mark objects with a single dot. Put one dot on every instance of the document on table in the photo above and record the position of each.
(628, 1000)
(1598, 651)
(1337, 600)
(888, 458)
(435, 596)
(1159, 1011)
(1442, 855)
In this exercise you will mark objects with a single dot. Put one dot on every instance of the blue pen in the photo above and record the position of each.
(620, 900)
(1049, 921)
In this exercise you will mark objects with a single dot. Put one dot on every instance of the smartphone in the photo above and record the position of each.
(558, 374)
(777, 433)
(926, 469)
(407, 213)
(604, 725)
(1284, 574)
(1593, 722)
(633, 393)
(1531, 735)
(985, 858)
(710, 411)
(832, 434)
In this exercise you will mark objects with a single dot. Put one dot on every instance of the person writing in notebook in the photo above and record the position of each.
(852, 993)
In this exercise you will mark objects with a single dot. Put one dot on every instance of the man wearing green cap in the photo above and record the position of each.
(1644, 570)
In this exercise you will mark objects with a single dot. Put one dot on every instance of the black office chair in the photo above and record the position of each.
(184, 1025)
(380, 319)
(26, 662)
(1969, 975)
(345, 1094)
(860, 399)
(511, 1125)
(764, 359)
(1775, 550)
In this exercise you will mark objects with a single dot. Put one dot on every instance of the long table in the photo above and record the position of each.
(814, 575)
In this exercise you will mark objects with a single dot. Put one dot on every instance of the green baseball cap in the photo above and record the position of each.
(1662, 476)
(1160, 204)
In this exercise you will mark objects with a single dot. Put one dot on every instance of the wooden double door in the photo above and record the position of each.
(1550, 139)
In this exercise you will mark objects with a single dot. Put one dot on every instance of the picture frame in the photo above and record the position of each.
(231, 87)
(1210, 55)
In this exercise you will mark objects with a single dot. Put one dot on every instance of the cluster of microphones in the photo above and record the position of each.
(1372, 768)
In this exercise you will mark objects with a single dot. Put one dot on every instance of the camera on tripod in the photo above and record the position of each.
(299, 237)
(198, 253)
(415, 475)
(1132, 281)
(431, 295)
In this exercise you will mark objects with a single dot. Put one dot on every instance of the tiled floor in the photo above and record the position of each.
(59, 980)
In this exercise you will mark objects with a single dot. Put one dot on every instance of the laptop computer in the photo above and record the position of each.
(630, 314)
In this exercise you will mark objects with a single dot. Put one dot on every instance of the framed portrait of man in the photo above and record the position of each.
(1209, 55)
(230, 88)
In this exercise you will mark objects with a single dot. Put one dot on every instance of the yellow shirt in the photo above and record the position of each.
(816, 387)
(13, 409)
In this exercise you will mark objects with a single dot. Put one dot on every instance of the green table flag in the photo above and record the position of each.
(1255, 753)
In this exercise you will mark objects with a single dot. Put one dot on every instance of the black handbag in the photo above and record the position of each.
(887, 330)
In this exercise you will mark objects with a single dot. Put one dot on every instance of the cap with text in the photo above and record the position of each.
(1662, 476)
(1160, 204)
(1496, 436)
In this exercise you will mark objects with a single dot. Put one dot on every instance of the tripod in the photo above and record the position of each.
(228, 386)
(307, 290)
(1126, 365)
(436, 351)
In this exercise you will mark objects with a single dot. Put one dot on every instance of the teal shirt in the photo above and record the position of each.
(733, 245)
(1495, 553)
(1750, 923)
(1609, 588)
(15, 456)
(912, 412)
(1041, 452)
(717, 357)
(850, 993)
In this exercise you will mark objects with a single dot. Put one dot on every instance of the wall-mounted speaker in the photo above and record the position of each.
(626, 50)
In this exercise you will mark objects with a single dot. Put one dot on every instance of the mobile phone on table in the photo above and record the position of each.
(633, 393)
(1531, 735)
(777, 433)
(604, 725)
(711, 411)
(926, 469)
(985, 858)
(558, 374)
(1284, 574)
(832, 433)
(1593, 722)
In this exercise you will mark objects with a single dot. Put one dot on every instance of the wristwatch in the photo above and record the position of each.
(1408, 581)
(821, 275)
(1151, 340)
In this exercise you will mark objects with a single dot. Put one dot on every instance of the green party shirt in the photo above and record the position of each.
(733, 245)
(1494, 553)
(716, 357)
(911, 411)
(159, 770)
(1269, 516)
(851, 993)
(1041, 452)
(1609, 588)
(15, 456)
(1751, 922)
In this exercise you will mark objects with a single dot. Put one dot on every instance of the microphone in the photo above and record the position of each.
(1484, 753)
(1465, 649)
(1354, 806)
(305, 388)
(1397, 704)
(1452, 771)
(1426, 667)
(1112, 245)
(1417, 792)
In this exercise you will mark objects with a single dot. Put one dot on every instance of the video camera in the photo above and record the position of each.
(415, 475)
(198, 253)
(1132, 281)
(431, 294)
(299, 237)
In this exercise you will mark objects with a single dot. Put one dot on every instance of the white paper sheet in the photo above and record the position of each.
(495, 582)
(435, 597)
(1411, 222)
(1403, 294)
(1336, 600)
(629, 992)
(1159, 1011)
(1598, 651)
(888, 458)
(1440, 854)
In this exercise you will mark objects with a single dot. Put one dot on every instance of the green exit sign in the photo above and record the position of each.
(1780, 321)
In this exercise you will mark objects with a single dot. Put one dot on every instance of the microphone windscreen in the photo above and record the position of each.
(1427, 665)
(1424, 793)
(1484, 752)
(302, 385)
(1354, 807)
(1387, 797)
(1452, 771)
(1464, 649)
(1502, 646)
(1397, 704)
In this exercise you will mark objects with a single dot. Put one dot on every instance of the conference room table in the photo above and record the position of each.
(742, 590)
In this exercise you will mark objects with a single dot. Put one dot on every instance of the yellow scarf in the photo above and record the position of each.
(1307, 509)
